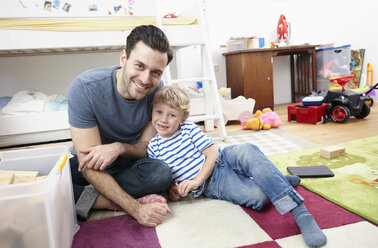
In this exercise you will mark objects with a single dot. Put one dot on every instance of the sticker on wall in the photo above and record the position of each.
(56, 4)
(47, 6)
(22, 4)
(66, 7)
(92, 7)
(117, 8)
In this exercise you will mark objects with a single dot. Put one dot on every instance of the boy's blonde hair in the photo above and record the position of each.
(173, 96)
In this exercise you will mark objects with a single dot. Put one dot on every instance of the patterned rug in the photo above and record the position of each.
(207, 223)
(214, 223)
(274, 141)
(355, 184)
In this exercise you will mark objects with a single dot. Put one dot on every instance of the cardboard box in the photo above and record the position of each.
(306, 114)
(40, 213)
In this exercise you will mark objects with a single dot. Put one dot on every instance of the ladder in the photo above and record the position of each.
(210, 104)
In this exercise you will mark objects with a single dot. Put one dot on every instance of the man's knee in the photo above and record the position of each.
(163, 176)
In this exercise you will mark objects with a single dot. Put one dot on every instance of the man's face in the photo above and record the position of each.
(141, 72)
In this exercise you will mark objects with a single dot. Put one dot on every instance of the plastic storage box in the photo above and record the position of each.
(40, 213)
(333, 61)
(306, 114)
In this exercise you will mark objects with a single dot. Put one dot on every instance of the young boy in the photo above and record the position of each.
(240, 173)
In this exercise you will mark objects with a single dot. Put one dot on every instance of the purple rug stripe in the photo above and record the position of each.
(121, 231)
(326, 214)
(267, 244)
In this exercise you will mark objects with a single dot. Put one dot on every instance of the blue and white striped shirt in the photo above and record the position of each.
(182, 152)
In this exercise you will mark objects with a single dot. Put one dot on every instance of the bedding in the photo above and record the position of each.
(29, 101)
(87, 24)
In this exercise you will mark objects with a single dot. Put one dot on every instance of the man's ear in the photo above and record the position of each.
(122, 60)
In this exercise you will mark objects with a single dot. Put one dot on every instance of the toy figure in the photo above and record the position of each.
(283, 30)
(265, 119)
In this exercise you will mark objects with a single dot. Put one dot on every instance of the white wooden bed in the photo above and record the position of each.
(65, 36)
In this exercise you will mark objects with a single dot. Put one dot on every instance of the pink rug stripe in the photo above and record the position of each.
(267, 244)
(120, 231)
(326, 214)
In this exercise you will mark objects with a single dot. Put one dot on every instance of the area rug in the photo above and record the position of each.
(210, 223)
(355, 184)
(273, 141)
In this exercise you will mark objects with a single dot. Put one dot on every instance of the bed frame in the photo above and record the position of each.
(80, 36)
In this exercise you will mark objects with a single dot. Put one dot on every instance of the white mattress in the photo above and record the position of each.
(33, 128)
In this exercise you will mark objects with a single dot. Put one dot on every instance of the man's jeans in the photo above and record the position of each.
(243, 175)
(137, 177)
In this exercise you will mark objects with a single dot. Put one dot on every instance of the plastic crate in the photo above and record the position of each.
(306, 114)
(333, 61)
(40, 213)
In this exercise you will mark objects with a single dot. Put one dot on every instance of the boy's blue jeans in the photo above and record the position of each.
(245, 176)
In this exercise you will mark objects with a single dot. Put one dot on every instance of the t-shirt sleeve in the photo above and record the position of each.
(150, 149)
(80, 112)
(199, 138)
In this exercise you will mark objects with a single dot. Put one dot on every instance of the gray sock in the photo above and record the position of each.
(311, 232)
(86, 201)
(293, 180)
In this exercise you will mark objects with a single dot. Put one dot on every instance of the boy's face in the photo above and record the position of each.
(166, 120)
(141, 72)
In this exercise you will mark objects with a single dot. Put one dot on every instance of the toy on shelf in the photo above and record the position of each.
(283, 30)
(265, 119)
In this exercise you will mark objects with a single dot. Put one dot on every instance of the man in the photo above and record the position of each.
(109, 114)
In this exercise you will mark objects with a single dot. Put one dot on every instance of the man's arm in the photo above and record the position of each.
(84, 139)
(98, 156)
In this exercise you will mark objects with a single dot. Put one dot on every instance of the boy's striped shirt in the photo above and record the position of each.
(182, 152)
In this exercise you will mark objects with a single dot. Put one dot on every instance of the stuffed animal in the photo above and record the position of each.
(265, 119)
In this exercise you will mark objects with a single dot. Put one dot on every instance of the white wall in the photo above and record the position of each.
(315, 22)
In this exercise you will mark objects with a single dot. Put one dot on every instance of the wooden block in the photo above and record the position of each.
(332, 152)
(41, 178)
(25, 176)
(6, 177)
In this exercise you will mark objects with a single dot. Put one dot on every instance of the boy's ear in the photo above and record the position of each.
(184, 119)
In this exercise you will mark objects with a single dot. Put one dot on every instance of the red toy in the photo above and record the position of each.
(170, 16)
(342, 80)
(307, 114)
(283, 29)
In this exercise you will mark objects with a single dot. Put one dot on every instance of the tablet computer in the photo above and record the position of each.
(310, 171)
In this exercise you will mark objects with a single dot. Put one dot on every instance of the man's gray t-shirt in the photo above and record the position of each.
(93, 100)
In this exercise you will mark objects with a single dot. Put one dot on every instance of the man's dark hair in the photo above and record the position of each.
(150, 35)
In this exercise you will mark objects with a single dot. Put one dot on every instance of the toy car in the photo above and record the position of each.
(345, 103)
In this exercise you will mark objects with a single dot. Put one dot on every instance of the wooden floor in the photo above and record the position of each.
(322, 134)
(325, 134)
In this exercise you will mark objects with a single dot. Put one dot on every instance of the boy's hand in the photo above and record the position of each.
(173, 192)
(188, 185)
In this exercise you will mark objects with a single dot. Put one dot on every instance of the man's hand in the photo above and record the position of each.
(152, 214)
(99, 157)
(186, 186)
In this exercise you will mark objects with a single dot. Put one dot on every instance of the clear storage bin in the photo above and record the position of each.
(333, 61)
(40, 213)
